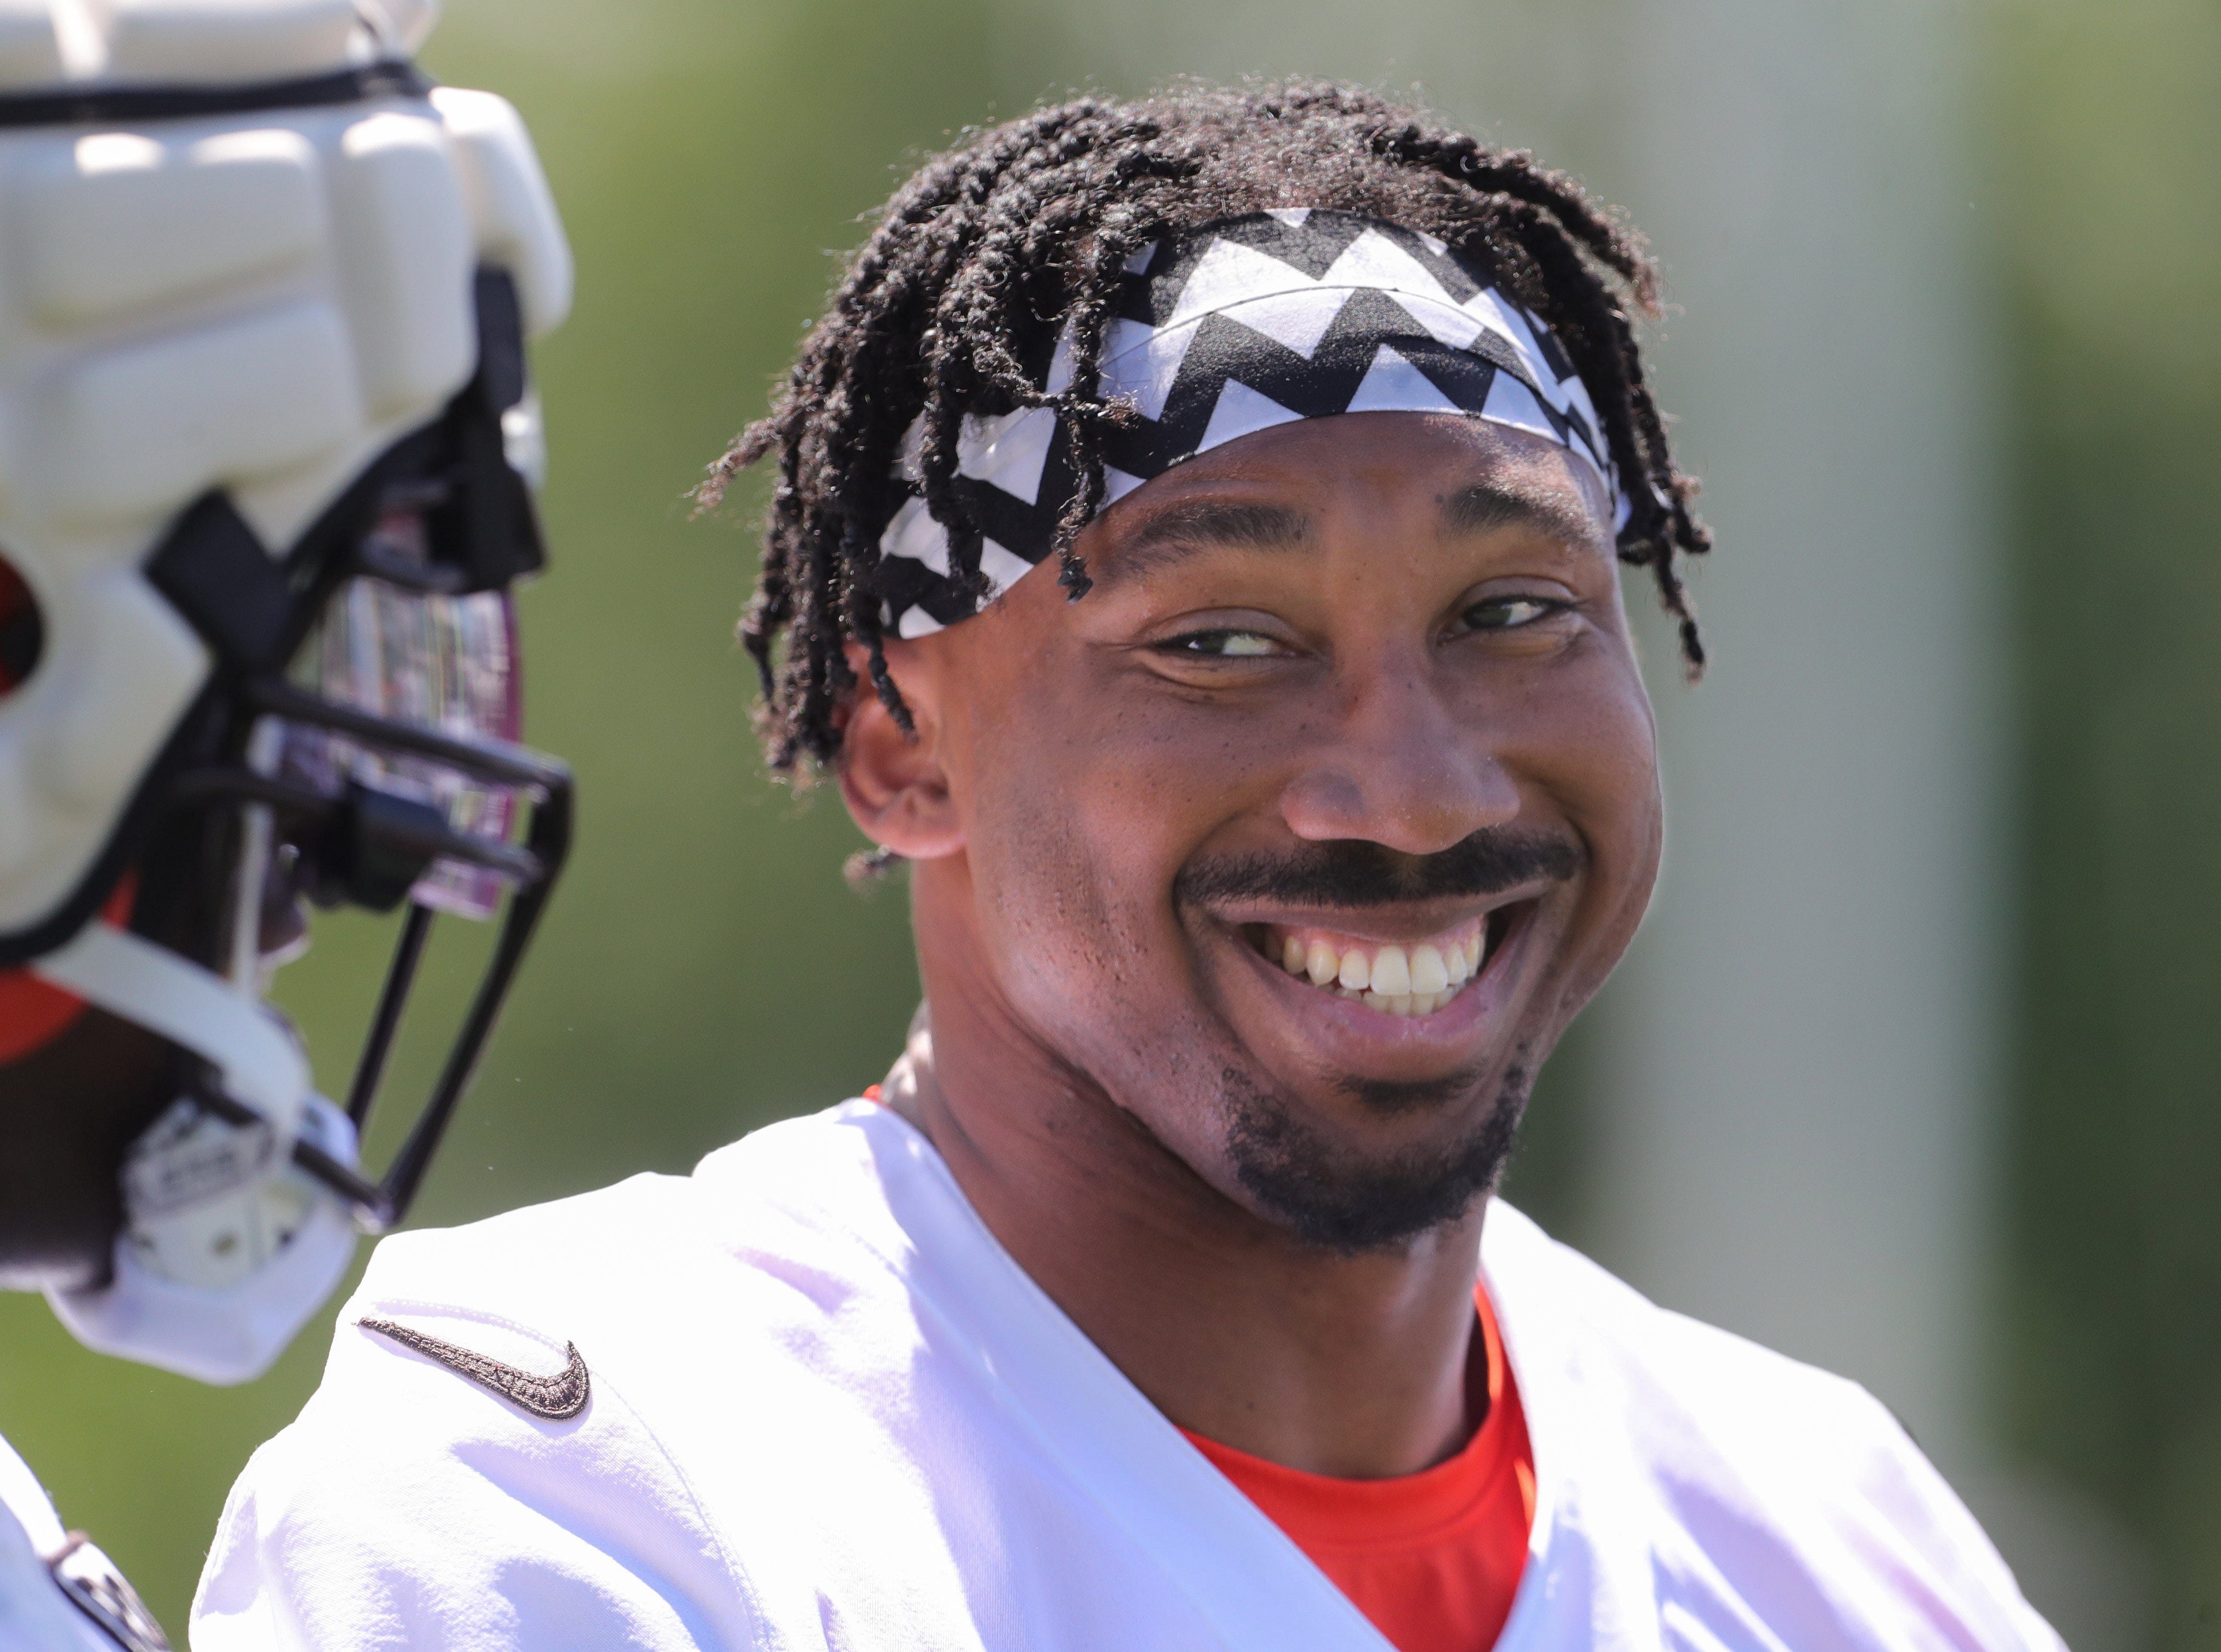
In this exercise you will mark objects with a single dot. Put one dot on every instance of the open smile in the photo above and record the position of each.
(1390, 992)
(1403, 979)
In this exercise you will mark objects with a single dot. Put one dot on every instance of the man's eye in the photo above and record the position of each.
(1223, 645)
(1509, 613)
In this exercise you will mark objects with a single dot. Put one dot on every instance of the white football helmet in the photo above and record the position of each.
(266, 443)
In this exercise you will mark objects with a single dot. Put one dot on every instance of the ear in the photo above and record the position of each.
(893, 782)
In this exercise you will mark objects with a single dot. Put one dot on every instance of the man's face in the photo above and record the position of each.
(1303, 834)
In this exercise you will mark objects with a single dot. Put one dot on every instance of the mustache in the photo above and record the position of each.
(1353, 872)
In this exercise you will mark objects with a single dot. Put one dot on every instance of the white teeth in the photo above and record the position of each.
(1401, 981)
(1428, 973)
(1391, 973)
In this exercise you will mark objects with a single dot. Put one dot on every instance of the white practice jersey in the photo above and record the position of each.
(814, 1404)
(58, 1591)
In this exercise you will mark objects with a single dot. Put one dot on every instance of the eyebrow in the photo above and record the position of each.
(1180, 529)
(1483, 507)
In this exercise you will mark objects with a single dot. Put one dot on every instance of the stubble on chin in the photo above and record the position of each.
(1349, 1206)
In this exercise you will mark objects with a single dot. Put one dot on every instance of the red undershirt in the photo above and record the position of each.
(1433, 1558)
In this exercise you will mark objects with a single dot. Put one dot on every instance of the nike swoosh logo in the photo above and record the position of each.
(558, 1398)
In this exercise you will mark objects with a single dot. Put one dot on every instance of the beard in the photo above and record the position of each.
(1350, 1207)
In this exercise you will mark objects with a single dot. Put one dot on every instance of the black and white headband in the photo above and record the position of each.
(1249, 322)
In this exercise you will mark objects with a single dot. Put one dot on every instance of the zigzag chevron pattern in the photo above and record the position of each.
(1253, 322)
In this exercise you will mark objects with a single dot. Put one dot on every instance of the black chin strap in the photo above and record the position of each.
(132, 106)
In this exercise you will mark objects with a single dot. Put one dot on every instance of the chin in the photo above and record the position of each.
(1330, 1187)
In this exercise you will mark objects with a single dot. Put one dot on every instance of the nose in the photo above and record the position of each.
(1395, 764)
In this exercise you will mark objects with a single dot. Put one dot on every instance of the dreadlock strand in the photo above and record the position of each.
(1594, 332)
(1599, 336)
(1519, 176)
(1087, 413)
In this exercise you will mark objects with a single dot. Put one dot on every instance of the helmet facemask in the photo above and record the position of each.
(355, 745)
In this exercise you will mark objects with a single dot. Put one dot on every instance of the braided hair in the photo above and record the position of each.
(1026, 226)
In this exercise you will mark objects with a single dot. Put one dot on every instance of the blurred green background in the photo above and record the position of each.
(2107, 135)
(705, 969)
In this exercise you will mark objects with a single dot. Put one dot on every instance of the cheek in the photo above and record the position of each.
(1586, 747)
(1083, 801)
(1606, 770)
(1069, 858)
(1076, 929)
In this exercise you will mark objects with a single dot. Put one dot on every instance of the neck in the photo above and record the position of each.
(1354, 1366)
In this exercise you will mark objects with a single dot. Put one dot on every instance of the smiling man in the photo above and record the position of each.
(1197, 554)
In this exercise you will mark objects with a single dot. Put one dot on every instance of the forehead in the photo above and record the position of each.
(1355, 473)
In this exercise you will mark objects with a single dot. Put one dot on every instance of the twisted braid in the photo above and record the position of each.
(1025, 227)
